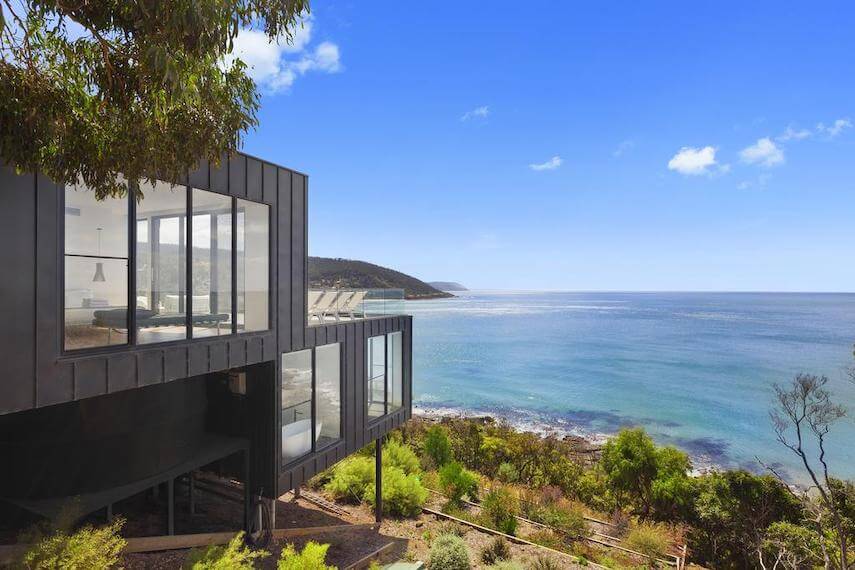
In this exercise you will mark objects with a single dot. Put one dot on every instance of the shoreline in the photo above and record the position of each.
(527, 421)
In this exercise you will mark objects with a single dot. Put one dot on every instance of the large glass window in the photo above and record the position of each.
(230, 259)
(96, 269)
(328, 393)
(311, 400)
(253, 261)
(376, 392)
(297, 427)
(396, 370)
(212, 264)
(161, 263)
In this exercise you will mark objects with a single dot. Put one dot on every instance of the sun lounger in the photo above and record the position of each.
(352, 306)
(324, 306)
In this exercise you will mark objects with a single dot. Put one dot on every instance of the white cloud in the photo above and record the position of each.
(835, 128)
(274, 66)
(693, 161)
(481, 112)
(622, 148)
(792, 134)
(764, 152)
(550, 164)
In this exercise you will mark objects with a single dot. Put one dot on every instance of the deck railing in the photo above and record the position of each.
(327, 306)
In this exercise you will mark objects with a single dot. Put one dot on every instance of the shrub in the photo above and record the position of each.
(400, 455)
(570, 520)
(543, 562)
(648, 539)
(546, 538)
(437, 446)
(235, 555)
(403, 494)
(499, 508)
(456, 481)
(89, 547)
(451, 527)
(507, 473)
(352, 478)
(496, 551)
(550, 495)
(448, 552)
(312, 557)
(430, 479)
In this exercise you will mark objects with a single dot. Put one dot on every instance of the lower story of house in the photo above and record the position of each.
(269, 425)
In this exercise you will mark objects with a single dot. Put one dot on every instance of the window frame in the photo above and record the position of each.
(314, 403)
(131, 234)
(387, 405)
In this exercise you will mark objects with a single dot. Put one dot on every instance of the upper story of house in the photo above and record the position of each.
(215, 266)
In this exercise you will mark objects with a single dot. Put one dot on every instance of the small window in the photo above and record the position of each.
(376, 392)
(311, 400)
(297, 430)
(385, 381)
(161, 313)
(96, 269)
(396, 371)
(328, 393)
(211, 287)
(253, 262)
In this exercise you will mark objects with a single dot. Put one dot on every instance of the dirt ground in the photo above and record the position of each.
(217, 514)
(146, 516)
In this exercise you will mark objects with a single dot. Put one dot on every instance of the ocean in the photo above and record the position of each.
(694, 369)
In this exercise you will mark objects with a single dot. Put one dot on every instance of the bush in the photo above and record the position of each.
(448, 552)
(507, 473)
(451, 527)
(312, 557)
(570, 520)
(89, 548)
(496, 551)
(430, 479)
(437, 446)
(543, 562)
(499, 508)
(648, 539)
(400, 455)
(235, 555)
(403, 494)
(456, 481)
(351, 479)
(546, 538)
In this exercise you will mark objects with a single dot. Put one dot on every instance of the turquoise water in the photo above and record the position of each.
(695, 369)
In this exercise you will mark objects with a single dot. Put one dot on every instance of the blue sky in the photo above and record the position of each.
(604, 145)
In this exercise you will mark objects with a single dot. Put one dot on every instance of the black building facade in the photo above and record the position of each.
(95, 396)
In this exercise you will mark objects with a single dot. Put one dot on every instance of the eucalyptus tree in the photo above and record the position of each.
(90, 89)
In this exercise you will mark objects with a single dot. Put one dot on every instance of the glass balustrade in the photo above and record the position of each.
(327, 306)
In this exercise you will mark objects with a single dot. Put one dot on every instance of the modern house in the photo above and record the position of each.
(218, 366)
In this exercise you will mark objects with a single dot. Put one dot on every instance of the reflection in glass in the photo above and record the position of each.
(376, 391)
(96, 269)
(212, 264)
(296, 405)
(328, 393)
(396, 371)
(161, 263)
(253, 260)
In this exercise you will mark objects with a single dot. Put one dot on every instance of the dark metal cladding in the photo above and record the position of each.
(111, 410)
